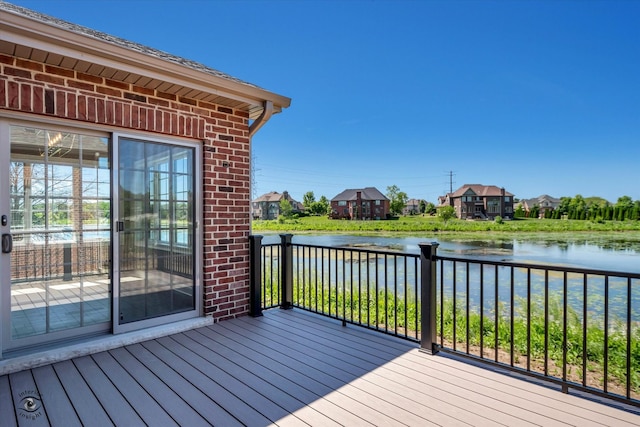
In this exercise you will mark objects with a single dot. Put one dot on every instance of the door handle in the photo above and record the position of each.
(7, 243)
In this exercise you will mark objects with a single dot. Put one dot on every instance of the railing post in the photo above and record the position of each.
(428, 268)
(255, 275)
(286, 272)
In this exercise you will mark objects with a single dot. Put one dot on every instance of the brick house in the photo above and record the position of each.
(476, 201)
(364, 203)
(125, 193)
(267, 206)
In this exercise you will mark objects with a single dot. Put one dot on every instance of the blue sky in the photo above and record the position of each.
(539, 97)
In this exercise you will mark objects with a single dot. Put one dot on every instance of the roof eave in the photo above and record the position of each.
(29, 32)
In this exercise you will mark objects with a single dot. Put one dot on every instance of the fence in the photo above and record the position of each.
(578, 328)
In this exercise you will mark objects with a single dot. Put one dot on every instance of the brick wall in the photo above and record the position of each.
(44, 90)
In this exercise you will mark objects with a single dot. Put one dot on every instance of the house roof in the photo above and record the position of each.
(539, 201)
(367, 193)
(34, 36)
(272, 196)
(480, 190)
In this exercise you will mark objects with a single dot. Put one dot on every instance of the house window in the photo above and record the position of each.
(507, 199)
(342, 203)
(377, 202)
(493, 206)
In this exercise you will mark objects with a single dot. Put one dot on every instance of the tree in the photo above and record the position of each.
(422, 207)
(397, 199)
(286, 210)
(446, 213)
(577, 206)
(322, 206)
(519, 212)
(308, 200)
(624, 206)
(430, 209)
(535, 212)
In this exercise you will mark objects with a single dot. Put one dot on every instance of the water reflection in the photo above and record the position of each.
(595, 252)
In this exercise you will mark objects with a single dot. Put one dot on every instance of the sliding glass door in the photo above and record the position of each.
(155, 233)
(99, 234)
(56, 214)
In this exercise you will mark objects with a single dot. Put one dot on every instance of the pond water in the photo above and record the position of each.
(590, 254)
(600, 254)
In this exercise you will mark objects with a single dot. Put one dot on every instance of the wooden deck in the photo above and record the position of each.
(285, 368)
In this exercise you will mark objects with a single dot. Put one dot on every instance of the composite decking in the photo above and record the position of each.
(286, 368)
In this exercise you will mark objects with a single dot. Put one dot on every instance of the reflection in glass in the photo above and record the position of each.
(60, 220)
(156, 247)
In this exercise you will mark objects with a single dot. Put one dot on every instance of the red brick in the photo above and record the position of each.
(30, 65)
(135, 120)
(159, 102)
(100, 111)
(119, 114)
(166, 96)
(15, 72)
(150, 120)
(143, 90)
(207, 105)
(80, 85)
(91, 109)
(142, 118)
(109, 111)
(50, 69)
(187, 101)
(3, 93)
(4, 59)
(61, 104)
(126, 115)
(71, 105)
(25, 97)
(89, 78)
(82, 107)
(46, 78)
(116, 84)
(108, 91)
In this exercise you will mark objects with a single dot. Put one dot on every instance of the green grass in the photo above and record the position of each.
(429, 224)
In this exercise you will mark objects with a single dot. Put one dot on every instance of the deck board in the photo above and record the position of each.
(274, 372)
(145, 405)
(289, 368)
(110, 398)
(85, 403)
(6, 403)
(167, 395)
(59, 409)
(205, 376)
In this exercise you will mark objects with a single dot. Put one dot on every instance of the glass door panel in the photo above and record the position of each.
(156, 230)
(59, 203)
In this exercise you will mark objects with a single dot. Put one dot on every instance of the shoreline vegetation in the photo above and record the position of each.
(606, 232)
